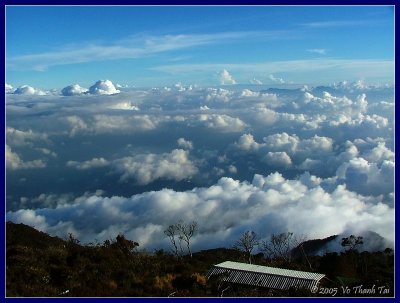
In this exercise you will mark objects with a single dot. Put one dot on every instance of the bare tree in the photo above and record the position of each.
(246, 243)
(181, 232)
(171, 233)
(281, 245)
(187, 230)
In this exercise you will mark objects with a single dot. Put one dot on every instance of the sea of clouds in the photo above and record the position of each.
(109, 159)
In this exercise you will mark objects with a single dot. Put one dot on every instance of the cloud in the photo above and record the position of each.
(339, 23)
(146, 168)
(218, 95)
(25, 90)
(47, 200)
(248, 93)
(125, 105)
(343, 106)
(28, 90)
(16, 137)
(276, 79)
(94, 163)
(246, 142)
(110, 123)
(282, 142)
(232, 169)
(46, 151)
(226, 78)
(277, 159)
(315, 144)
(103, 87)
(265, 116)
(77, 124)
(14, 162)
(270, 204)
(368, 178)
(379, 154)
(72, 90)
(327, 69)
(185, 143)
(339, 142)
(317, 154)
(256, 81)
(320, 51)
(119, 86)
(9, 89)
(223, 123)
(132, 47)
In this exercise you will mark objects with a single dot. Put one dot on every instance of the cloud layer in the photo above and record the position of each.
(97, 163)
(268, 205)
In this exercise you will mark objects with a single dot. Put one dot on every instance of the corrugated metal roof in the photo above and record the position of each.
(269, 270)
(265, 276)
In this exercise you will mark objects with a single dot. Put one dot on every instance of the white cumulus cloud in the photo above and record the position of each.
(107, 124)
(226, 78)
(103, 87)
(247, 142)
(379, 154)
(146, 168)
(16, 137)
(223, 123)
(72, 90)
(14, 162)
(9, 89)
(368, 178)
(277, 159)
(185, 143)
(28, 90)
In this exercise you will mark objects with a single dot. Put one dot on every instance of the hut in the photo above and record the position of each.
(264, 276)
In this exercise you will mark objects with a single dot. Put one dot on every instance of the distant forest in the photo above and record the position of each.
(38, 265)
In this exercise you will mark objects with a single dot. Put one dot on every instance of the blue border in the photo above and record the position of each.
(201, 300)
(2, 233)
(186, 2)
(200, 2)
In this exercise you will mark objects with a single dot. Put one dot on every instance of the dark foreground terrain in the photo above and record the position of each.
(38, 265)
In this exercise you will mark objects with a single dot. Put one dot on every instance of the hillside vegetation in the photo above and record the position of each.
(38, 265)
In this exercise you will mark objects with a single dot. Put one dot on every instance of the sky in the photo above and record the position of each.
(51, 47)
(125, 120)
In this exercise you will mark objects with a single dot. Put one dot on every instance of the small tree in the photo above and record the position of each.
(351, 243)
(246, 243)
(171, 232)
(281, 245)
(186, 233)
(125, 245)
(183, 232)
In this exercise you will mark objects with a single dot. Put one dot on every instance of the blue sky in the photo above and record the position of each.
(52, 47)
